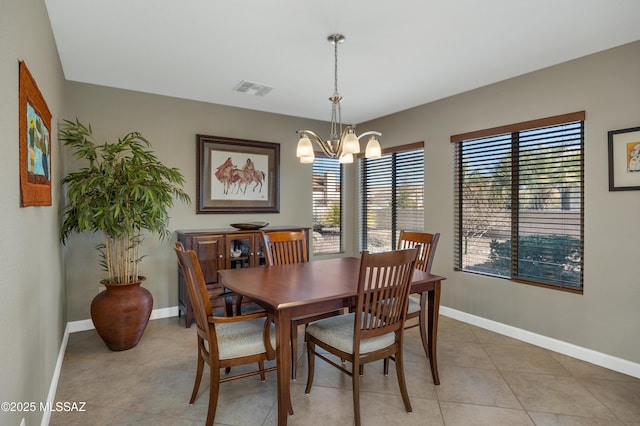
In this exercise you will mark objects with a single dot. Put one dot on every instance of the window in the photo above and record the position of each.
(327, 205)
(519, 193)
(392, 196)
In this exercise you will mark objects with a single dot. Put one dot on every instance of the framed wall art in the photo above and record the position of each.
(34, 128)
(624, 159)
(237, 176)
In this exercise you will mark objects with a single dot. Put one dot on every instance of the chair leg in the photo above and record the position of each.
(401, 380)
(311, 355)
(386, 366)
(294, 351)
(214, 390)
(196, 384)
(355, 379)
(261, 367)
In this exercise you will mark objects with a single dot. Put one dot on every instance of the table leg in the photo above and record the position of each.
(432, 300)
(424, 333)
(283, 363)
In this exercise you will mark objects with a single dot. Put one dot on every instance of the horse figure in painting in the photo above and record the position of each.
(250, 175)
(232, 177)
(224, 174)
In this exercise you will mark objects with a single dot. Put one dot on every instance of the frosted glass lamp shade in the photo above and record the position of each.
(373, 149)
(350, 145)
(305, 149)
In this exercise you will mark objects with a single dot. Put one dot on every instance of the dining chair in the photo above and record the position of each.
(426, 244)
(286, 247)
(375, 329)
(223, 341)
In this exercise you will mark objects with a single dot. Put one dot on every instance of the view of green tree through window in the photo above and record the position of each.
(327, 205)
(392, 196)
(519, 201)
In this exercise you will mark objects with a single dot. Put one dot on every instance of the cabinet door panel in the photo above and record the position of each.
(209, 250)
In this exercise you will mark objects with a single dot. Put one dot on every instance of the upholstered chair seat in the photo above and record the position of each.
(240, 339)
(338, 332)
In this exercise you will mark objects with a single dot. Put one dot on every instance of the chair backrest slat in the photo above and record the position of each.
(284, 247)
(383, 292)
(428, 243)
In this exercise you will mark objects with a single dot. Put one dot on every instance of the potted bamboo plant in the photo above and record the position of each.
(123, 192)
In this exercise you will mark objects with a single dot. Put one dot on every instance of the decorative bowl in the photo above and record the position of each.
(249, 225)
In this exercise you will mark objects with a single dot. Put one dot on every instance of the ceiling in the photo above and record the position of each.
(397, 54)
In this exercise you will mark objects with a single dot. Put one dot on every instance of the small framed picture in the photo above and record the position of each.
(624, 159)
(237, 176)
(34, 124)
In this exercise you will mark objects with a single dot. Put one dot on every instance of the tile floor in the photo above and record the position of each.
(486, 379)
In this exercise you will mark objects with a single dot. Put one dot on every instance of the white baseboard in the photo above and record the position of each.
(46, 416)
(83, 325)
(608, 361)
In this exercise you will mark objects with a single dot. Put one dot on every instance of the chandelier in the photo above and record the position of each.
(342, 143)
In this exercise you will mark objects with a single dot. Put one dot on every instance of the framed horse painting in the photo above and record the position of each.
(237, 175)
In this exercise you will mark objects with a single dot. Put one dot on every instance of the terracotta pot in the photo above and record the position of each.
(121, 313)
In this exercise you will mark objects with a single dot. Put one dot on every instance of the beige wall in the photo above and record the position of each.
(606, 318)
(31, 285)
(171, 126)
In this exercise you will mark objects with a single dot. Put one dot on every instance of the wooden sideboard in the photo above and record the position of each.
(222, 249)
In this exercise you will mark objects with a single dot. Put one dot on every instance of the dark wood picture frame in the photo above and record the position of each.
(624, 159)
(34, 134)
(237, 175)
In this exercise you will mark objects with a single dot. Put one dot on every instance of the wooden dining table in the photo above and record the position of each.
(296, 290)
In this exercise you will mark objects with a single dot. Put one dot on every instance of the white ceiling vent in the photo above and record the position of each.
(252, 88)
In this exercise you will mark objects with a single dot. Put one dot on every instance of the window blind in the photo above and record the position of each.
(519, 204)
(392, 196)
(327, 206)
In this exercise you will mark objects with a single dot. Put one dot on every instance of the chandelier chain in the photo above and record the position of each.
(336, 111)
(335, 68)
